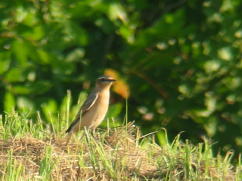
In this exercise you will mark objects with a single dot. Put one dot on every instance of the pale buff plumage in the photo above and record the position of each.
(95, 107)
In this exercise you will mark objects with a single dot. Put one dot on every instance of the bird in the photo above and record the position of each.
(95, 107)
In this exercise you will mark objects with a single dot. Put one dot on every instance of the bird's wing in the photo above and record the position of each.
(90, 101)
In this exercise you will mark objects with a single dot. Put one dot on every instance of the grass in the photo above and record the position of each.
(30, 150)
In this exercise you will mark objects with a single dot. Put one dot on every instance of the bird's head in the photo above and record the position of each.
(105, 82)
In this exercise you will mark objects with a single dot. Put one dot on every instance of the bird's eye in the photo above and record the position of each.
(105, 79)
(102, 79)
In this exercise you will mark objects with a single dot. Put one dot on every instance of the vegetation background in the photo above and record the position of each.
(178, 63)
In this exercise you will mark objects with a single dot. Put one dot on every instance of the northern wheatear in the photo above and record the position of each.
(94, 108)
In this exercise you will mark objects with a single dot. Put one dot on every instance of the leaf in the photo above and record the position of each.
(20, 53)
(14, 75)
(25, 104)
(116, 11)
(114, 110)
(9, 102)
(50, 109)
(120, 86)
(4, 62)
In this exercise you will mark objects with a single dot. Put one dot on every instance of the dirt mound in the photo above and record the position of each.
(96, 157)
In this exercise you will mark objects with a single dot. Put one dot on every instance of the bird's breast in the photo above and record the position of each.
(96, 114)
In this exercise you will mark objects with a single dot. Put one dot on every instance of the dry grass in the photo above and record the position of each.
(73, 161)
(115, 154)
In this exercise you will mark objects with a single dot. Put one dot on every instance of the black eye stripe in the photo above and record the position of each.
(105, 79)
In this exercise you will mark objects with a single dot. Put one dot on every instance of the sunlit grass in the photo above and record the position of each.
(31, 150)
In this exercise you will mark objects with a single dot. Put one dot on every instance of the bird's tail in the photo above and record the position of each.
(73, 125)
(69, 130)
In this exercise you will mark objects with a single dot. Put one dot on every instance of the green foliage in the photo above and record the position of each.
(182, 61)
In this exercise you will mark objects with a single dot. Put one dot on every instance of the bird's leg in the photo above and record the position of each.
(95, 134)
